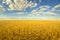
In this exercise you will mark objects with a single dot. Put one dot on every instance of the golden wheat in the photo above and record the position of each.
(30, 30)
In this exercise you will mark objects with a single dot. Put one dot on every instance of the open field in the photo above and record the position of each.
(29, 29)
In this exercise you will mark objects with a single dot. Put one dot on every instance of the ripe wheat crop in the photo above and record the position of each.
(30, 30)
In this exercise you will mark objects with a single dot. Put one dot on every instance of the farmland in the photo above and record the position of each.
(29, 29)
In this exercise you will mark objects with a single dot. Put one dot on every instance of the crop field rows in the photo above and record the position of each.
(29, 30)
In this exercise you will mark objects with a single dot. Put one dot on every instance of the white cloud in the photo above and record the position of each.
(19, 4)
(35, 12)
(50, 13)
(2, 8)
(43, 11)
(20, 13)
(56, 8)
(44, 8)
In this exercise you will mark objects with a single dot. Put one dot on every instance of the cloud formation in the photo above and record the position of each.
(19, 4)
(56, 8)
(2, 9)
(43, 10)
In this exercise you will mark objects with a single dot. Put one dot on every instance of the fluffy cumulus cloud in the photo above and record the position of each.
(35, 12)
(23, 4)
(21, 13)
(19, 4)
(56, 8)
(51, 13)
(43, 10)
(2, 9)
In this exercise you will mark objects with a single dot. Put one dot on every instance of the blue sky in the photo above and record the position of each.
(30, 9)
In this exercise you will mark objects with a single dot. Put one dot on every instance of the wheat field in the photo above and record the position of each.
(29, 29)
